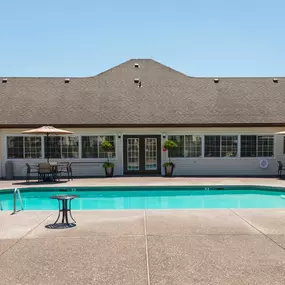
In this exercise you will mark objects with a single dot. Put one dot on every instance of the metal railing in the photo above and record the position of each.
(17, 191)
(1, 206)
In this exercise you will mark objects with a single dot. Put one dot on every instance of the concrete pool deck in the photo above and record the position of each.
(137, 247)
(148, 247)
(148, 181)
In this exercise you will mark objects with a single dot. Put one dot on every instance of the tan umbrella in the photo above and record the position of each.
(47, 130)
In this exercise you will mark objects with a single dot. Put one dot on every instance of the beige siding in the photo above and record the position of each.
(184, 166)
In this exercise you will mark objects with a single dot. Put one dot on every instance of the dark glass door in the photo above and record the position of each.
(142, 154)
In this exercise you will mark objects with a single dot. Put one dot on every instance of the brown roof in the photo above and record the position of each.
(166, 97)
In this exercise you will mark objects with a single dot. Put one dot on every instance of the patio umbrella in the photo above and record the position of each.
(47, 130)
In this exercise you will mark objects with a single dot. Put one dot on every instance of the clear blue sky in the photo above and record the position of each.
(86, 37)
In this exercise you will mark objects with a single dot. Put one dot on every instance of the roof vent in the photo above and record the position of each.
(136, 65)
(66, 80)
(136, 80)
(140, 84)
(216, 80)
(275, 80)
(4, 80)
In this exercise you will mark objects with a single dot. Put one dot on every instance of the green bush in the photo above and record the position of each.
(108, 165)
(107, 146)
(170, 144)
(168, 164)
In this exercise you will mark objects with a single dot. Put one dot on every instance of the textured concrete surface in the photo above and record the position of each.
(18, 225)
(148, 181)
(189, 222)
(205, 247)
(215, 259)
(90, 223)
(269, 221)
(89, 260)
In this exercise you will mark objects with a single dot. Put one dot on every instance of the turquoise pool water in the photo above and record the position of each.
(149, 198)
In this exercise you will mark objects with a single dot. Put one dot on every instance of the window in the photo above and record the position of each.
(265, 146)
(248, 146)
(91, 147)
(179, 150)
(24, 147)
(69, 147)
(15, 147)
(193, 146)
(221, 146)
(62, 147)
(33, 147)
(212, 146)
(188, 146)
(229, 146)
(257, 146)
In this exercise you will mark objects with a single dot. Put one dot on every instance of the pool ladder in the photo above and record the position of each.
(17, 192)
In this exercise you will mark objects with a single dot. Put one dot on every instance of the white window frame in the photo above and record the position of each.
(99, 135)
(61, 159)
(222, 135)
(239, 134)
(187, 134)
(259, 157)
(24, 158)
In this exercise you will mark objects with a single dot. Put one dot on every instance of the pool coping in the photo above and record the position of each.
(145, 188)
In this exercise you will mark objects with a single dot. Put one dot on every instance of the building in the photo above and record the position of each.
(224, 126)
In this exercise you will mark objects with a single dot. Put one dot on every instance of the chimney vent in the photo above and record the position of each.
(275, 80)
(216, 80)
(66, 80)
(136, 80)
(4, 80)
(136, 65)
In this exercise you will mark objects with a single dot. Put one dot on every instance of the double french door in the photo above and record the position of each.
(142, 154)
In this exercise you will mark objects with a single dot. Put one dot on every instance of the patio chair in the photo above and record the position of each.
(65, 168)
(31, 169)
(44, 170)
(280, 168)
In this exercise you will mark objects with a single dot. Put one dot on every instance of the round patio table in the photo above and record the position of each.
(64, 207)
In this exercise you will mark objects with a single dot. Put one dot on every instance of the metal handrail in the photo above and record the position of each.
(17, 191)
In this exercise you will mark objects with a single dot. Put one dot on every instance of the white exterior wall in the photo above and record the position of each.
(184, 166)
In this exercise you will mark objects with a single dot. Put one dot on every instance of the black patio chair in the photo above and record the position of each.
(280, 168)
(65, 168)
(31, 169)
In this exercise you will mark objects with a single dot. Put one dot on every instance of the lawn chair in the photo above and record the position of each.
(280, 168)
(44, 170)
(65, 168)
(31, 169)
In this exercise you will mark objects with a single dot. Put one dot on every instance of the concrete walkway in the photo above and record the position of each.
(148, 181)
(183, 247)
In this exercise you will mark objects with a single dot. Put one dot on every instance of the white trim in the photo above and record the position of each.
(225, 134)
(96, 135)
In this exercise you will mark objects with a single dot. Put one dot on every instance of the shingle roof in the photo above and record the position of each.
(165, 97)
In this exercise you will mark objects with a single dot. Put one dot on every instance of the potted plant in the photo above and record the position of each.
(169, 166)
(108, 166)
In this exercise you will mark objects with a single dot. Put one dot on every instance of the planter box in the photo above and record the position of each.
(109, 171)
(168, 170)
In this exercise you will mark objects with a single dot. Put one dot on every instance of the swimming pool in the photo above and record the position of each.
(167, 197)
